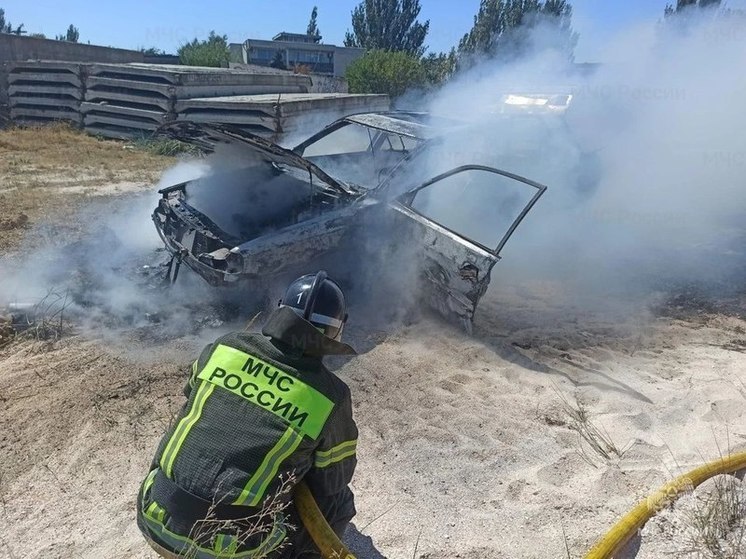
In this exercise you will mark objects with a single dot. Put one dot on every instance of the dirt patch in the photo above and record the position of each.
(78, 426)
(19, 222)
(48, 173)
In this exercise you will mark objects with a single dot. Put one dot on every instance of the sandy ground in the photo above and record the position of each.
(466, 446)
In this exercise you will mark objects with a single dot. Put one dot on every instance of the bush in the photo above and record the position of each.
(380, 71)
(212, 52)
(165, 146)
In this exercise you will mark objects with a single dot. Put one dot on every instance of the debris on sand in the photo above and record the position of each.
(19, 222)
(44, 320)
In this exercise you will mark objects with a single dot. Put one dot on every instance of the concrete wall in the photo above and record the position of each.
(328, 84)
(15, 47)
(18, 47)
(343, 57)
(171, 59)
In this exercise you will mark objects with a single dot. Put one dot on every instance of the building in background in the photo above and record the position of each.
(297, 50)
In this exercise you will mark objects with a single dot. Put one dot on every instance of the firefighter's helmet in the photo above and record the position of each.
(320, 301)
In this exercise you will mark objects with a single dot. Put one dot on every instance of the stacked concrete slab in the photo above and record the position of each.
(4, 108)
(129, 100)
(278, 116)
(132, 100)
(40, 92)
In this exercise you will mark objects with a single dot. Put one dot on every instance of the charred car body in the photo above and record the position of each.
(290, 208)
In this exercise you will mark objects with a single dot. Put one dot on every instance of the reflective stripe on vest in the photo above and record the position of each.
(255, 488)
(302, 407)
(325, 458)
(182, 429)
(226, 545)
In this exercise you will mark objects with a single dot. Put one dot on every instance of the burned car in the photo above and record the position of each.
(289, 208)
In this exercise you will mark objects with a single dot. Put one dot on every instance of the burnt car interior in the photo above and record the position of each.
(237, 214)
(358, 154)
(210, 215)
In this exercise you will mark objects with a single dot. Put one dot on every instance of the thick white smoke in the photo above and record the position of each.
(645, 169)
(109, 280)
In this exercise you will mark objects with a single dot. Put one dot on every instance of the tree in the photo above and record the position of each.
(388, 25)
(212, 52)
(152, 51)
(380, 71)
(7, 27)
(313, 28)
(684, 18)
(683, 5)
(279, 61)
(439, 67)
(71, 36)
(510, 29)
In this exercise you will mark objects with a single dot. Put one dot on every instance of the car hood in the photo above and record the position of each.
(208, 136)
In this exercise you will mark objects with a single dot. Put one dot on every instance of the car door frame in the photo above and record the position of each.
(540, 189)
(471, 250)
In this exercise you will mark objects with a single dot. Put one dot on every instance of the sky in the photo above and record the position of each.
(168, 24)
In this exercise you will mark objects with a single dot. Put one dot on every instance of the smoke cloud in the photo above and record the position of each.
(645, 168)
(110, 280)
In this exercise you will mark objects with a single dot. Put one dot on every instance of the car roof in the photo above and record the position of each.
(418, 125)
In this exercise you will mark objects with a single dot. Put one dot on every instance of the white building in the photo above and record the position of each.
(298, 50)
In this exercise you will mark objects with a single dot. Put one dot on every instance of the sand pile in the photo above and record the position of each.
(468, 446)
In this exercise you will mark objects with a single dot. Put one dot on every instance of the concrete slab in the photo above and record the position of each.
(158, 117)
(147, 102)
(33, 66)
(58, 89)
(289, 104)
(3, 91)
(267, 123)
(93, 118)
(196, 91)
(187, 91)
(41, 102)
(109, 84)
(23, 113)
(44, 78)
(219, 115)
(194, 75)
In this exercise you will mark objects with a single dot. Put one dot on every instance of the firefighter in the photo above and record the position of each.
(262, 414)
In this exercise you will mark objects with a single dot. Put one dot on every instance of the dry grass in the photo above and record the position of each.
(716, 526)
(31, 154)
(45, 321)
(591, 436)
(246, 530)
(46, 173)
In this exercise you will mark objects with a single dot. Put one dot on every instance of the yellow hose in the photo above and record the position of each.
(318, 528)
(616, 538)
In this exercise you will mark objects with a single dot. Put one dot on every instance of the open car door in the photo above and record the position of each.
(463, 218)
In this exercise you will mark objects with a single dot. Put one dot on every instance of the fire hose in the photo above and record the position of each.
(620, 534)
(605, 548)
(318, 528)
